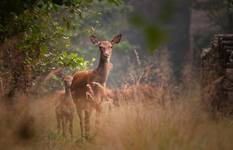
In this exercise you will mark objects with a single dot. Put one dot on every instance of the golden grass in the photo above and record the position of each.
(180, 125)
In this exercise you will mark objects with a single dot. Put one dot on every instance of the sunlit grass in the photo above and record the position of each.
(180, 125)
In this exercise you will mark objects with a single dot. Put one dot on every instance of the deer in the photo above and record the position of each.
(81, 80)
(65, 108)
(106, 94)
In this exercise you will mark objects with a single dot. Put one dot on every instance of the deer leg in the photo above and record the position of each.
(87, 123)
(71, 127)
(98, 112)
(58, 123)
(63, 127)
(90, 90)
(80, 115)
(97, 119)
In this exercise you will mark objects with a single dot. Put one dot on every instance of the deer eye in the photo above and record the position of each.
(101, 47)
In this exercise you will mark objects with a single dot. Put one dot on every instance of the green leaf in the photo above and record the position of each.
(43, 49)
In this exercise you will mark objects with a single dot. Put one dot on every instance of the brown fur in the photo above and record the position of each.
(81, 80)
(65, 108)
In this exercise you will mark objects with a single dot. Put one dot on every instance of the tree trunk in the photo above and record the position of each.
(17, 69)
(179, 46)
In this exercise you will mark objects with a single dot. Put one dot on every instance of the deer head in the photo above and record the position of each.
(67, 79)
(105, 47)
(67, 82)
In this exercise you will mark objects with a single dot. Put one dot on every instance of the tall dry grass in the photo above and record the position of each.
(179, 123)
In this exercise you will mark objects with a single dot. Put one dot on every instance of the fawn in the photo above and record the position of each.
(65, 108)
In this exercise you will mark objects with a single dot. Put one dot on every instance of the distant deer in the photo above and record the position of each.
(82, 79)
(65, 107)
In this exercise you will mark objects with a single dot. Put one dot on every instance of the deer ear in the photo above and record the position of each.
(94, 40)
(116, 39)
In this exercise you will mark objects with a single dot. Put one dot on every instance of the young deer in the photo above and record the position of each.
(65, 108)
(81, 80)
(108, 94)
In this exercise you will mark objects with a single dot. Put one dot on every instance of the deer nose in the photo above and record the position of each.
(107, 54)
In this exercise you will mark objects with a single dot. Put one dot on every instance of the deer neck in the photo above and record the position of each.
(67, 92)
(67, 89)
(103, 70)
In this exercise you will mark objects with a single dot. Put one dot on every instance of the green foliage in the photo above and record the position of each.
(154, 35)
(46, 39)
(117, 2)
(48, 27)
(102, 19)
(71, 60)
(54, 33)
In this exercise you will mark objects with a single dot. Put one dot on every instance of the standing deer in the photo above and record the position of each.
(81, 80)
(65, 108)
